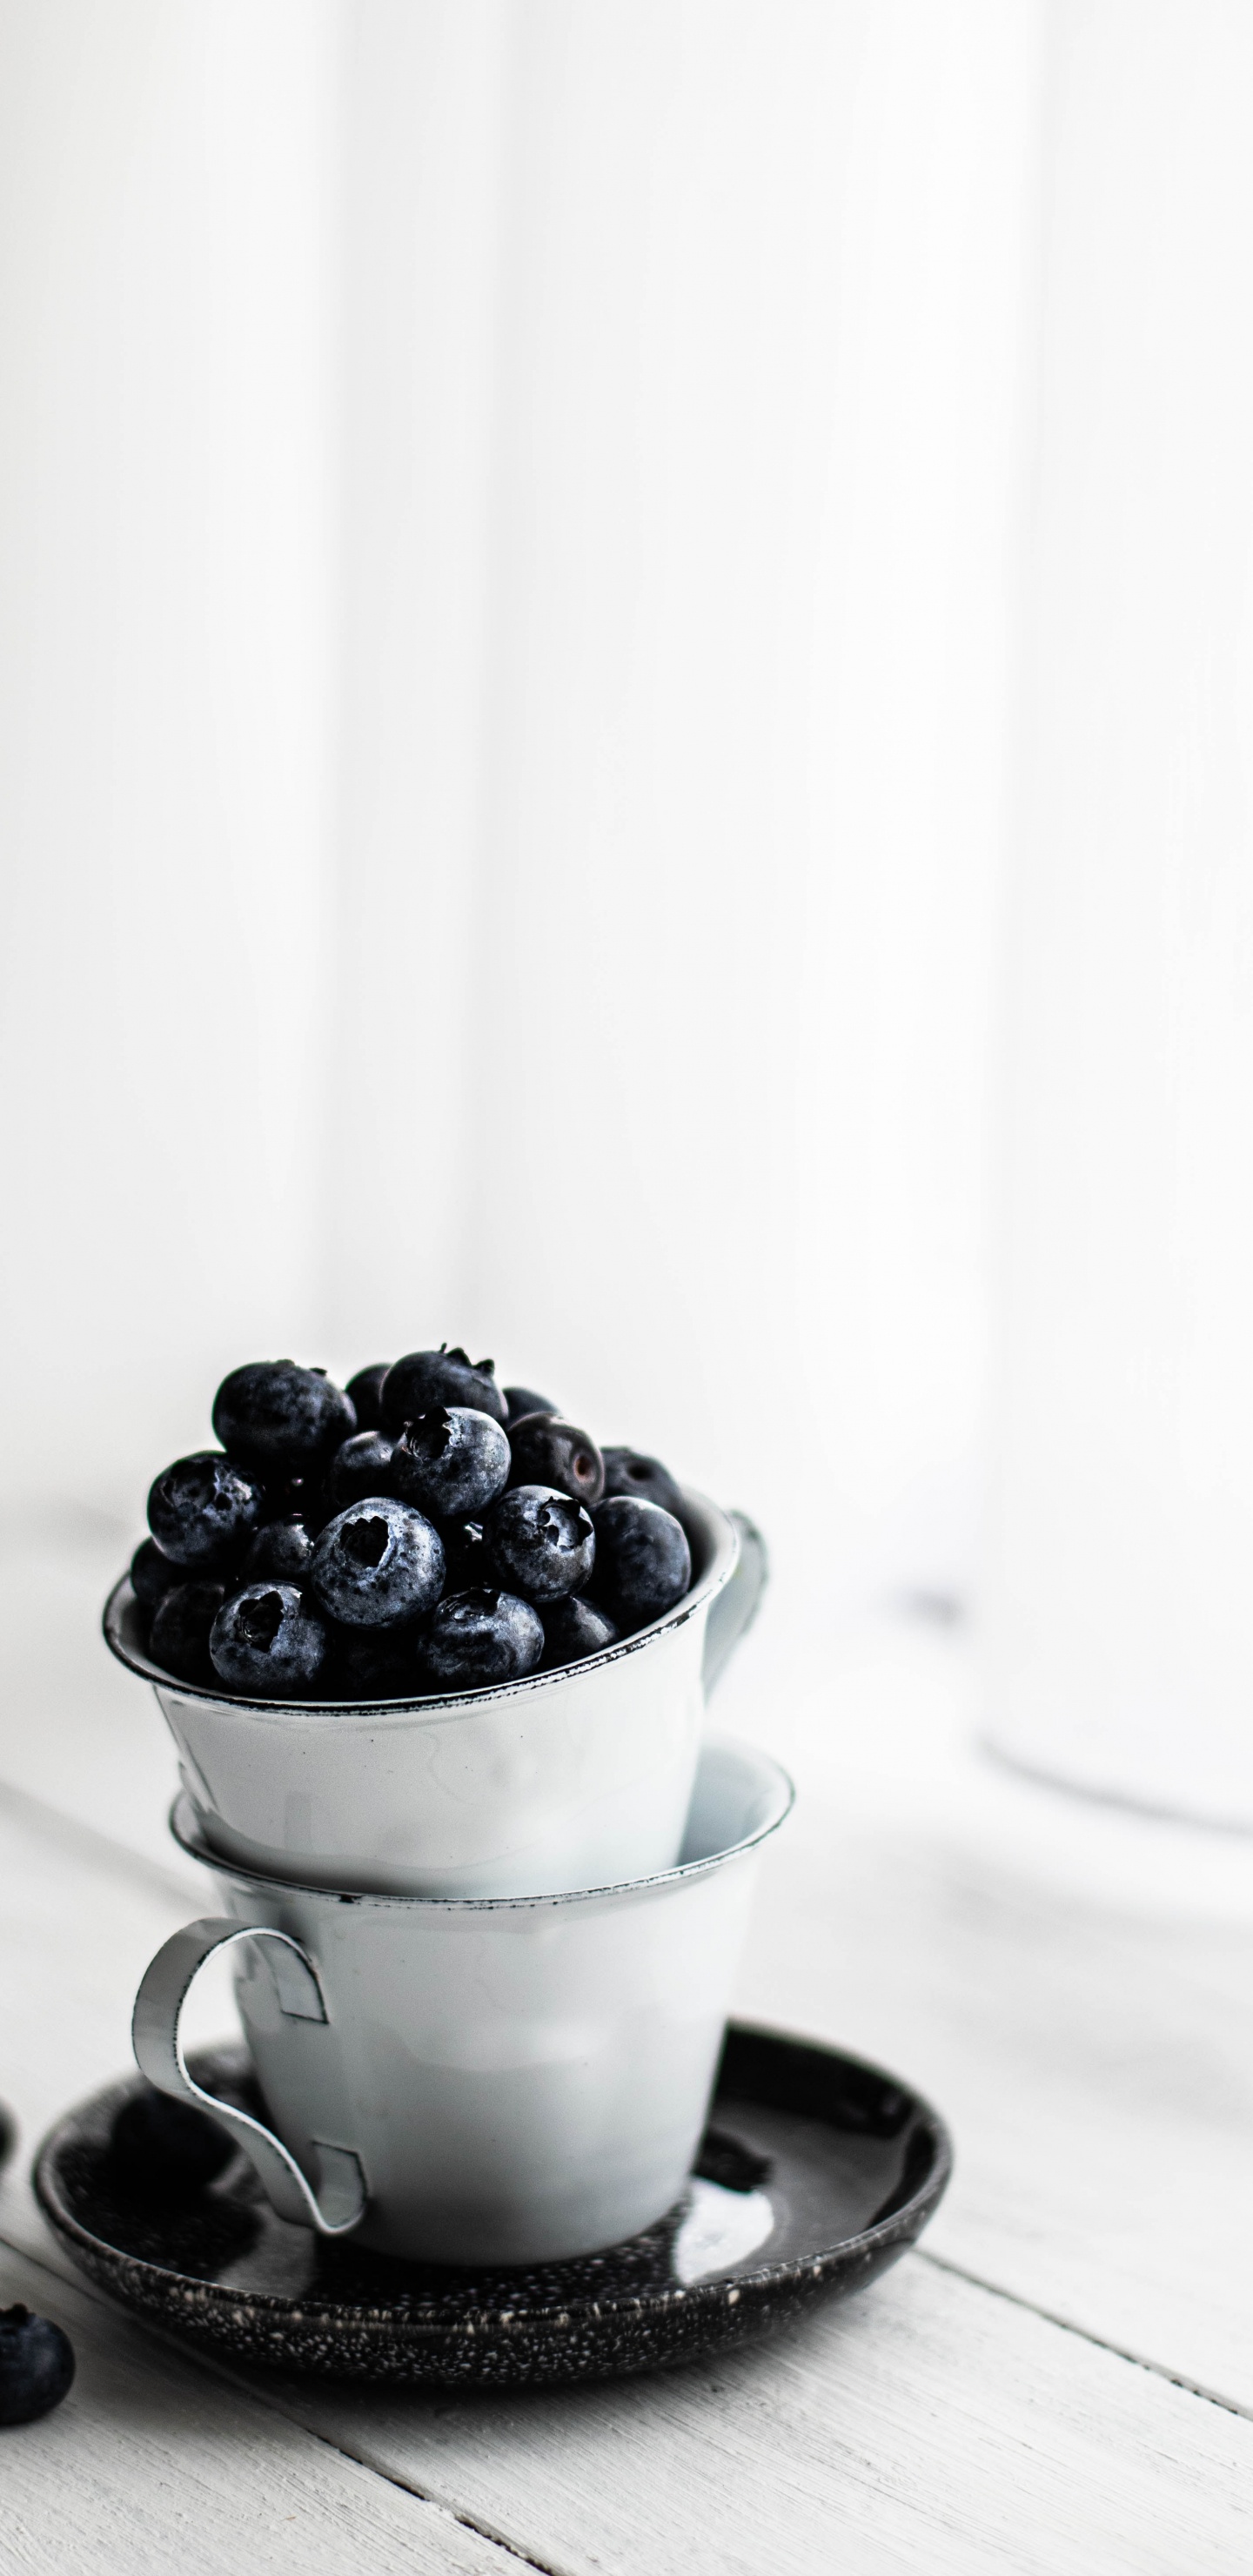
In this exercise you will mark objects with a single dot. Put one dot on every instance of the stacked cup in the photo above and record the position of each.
(484, 1943)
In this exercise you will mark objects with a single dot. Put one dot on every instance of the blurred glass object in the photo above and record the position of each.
(1120, 1608)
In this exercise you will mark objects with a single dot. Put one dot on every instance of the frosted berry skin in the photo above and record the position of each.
(423, 1379)
(152, 1574)
(574, 1628)
(378, 1564)
(164, 2148)
(542, 1544)
(451, 1462)
(178, 1639)
(364, 1392)
(36, 2366)
(279, 1418)
(267, 1639)
(548, 1451)
(278, 1552)
(521, 1400)
(318, 1543)
(360, 1467)
(479, 1637)
(203, 1509)
(629, 1471)
(643, 1562)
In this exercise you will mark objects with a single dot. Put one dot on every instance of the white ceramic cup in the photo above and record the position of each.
(569, 1779)
(504, 2080)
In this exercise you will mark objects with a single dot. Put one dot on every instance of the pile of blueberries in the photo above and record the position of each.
(420, 1531)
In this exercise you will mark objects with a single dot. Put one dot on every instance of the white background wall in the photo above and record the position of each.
(508, 516)
(624, 735)
(169, 338)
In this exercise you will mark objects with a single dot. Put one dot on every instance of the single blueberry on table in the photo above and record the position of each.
(278, 1552)
(452, 1462)
(378, 1564)
(643, 1562)
(202, 1509)
(36, 2366)
(281, 1418)
(423, 1379)
(521, 1400)
(364, 1392)
(574, 1628)
(166, 2148)
(542, 1543)
(360, 1467)
(548, 1451)
(481, 1636)
(372, 1663)
(178, 1639)
(269, 1639)
(628, 1471)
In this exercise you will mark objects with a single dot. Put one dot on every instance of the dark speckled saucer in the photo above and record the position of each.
(815, 2174)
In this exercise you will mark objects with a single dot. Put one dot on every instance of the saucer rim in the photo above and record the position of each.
(900, 2228)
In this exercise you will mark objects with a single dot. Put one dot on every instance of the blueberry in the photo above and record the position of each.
(203, 1508)
(628, 1471)
(451, 1462)
(548, 1451)
(465, 1551)
(152, 1574)
(522, 1400)
(292, 1497)
(278, 1552)
(424, 1379)
(166, 2147)
(378, 1564)
(481, 1636)
(279, 1417)
(8, 2133)
(268, 1639)
(373, 1663)
(360, 1467)
(542, 1543)
(179, 1636)
(643, 1562)
(364, 1392)
(574, 1628)
(36, 2366)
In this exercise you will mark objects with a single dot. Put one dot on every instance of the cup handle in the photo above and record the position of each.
(738, 1603)
(158, 2051)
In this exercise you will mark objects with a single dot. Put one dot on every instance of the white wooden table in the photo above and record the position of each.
(1060, 2379)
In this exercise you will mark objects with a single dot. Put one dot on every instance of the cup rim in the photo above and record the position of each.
(725, 1551)
(192, 1841)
